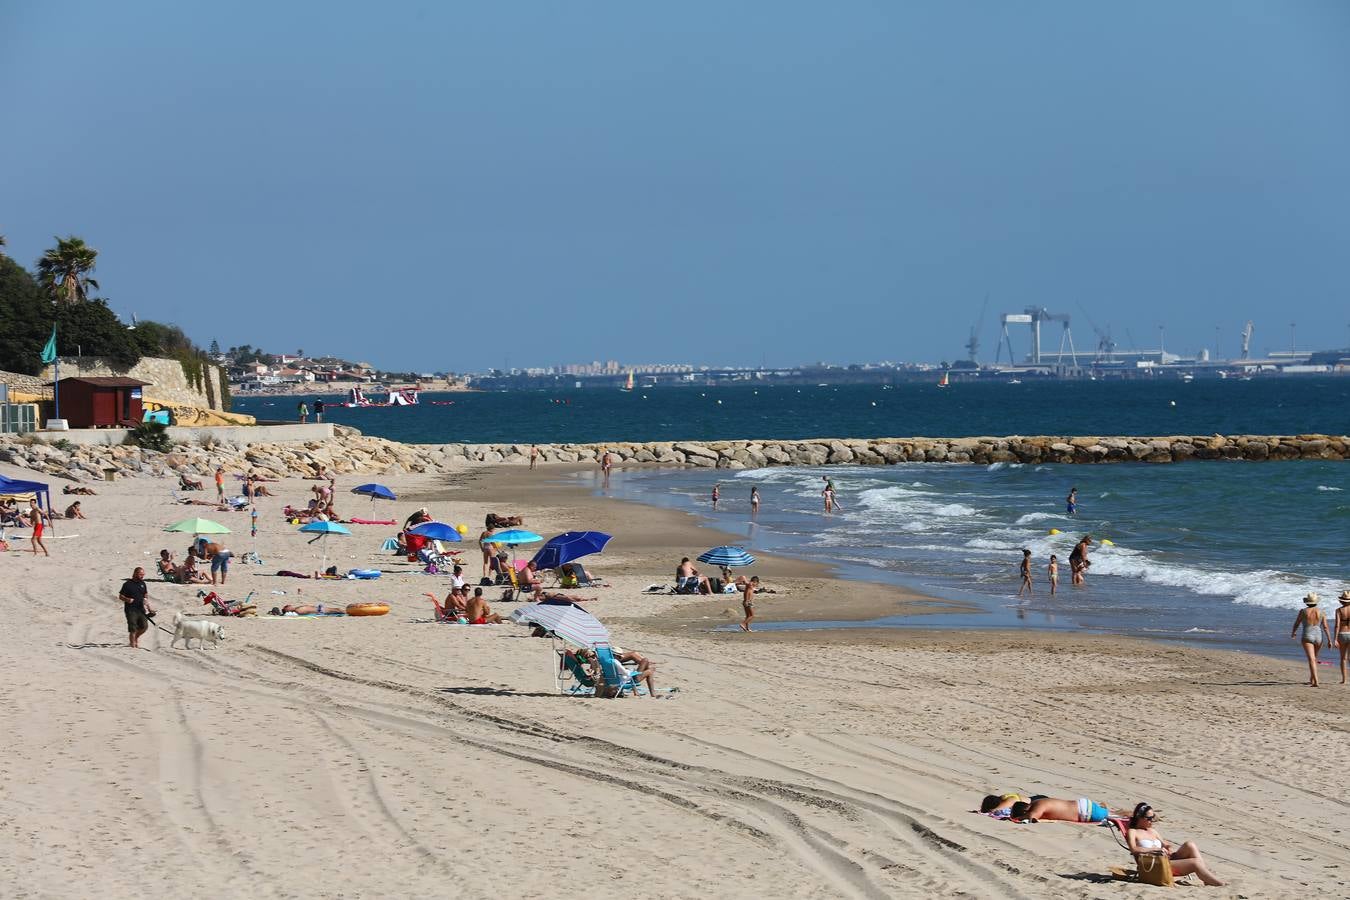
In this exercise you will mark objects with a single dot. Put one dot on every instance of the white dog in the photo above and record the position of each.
(186, 628)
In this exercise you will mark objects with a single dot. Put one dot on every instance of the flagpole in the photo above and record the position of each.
(56, 387)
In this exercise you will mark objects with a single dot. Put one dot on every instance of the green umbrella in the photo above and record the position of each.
(198, 526)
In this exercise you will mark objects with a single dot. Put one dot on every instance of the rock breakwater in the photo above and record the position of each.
(351, 452)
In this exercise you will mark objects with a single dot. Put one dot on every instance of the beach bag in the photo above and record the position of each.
(1154, 869)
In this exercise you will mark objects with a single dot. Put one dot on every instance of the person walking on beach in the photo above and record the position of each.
(136, 605)
(38, 519)
(748, 601)
(1340, 634)
(1026, 574)
(1078, 561)
(828, 493)
(303, 410)
(716, 495)
(220, 484)
(754, 501)
(318, 410)
(1313, 624)
(1054, 574)
(534, 455)
(1071, 502)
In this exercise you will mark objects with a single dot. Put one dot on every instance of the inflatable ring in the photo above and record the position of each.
(367, 609)
(364, 573)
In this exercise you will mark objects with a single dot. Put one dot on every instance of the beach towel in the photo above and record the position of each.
(286, 573)
(372, 522)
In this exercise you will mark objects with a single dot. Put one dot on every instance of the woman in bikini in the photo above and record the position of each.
(1340, 635)
(1310, 625)
(1144, 841)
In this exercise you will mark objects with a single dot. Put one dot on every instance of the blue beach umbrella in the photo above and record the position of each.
(569, 546)
(514, 536)
(323, 530)
(727, 556)
(436, 531)
(374, 491)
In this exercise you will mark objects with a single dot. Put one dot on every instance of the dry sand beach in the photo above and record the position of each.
(397, 757)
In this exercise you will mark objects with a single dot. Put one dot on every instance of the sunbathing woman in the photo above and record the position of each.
(78, 489)
(305, 609)
(1144, 841)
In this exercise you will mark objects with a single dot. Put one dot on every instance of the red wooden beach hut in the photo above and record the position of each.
(101, 402)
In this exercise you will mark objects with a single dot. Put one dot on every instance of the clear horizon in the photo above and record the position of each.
(774, 184)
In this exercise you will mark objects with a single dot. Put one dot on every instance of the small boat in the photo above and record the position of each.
(1014, 381)
(943, 381)
(628, 388)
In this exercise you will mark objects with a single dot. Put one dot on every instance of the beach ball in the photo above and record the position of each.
(1107, 542)
(1054, 531)
(462, 529)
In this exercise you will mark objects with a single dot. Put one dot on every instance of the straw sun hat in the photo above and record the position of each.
(1312, 599)
(1344, 597)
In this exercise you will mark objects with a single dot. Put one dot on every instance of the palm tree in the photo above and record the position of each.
(64, 270)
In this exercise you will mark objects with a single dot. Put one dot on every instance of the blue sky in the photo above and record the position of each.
(460, 186)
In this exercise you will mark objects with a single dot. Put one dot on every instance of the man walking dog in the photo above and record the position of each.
(137, 607)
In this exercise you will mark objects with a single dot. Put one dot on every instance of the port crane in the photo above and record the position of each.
(1034, 316)
(973, 344)
(1106, 345)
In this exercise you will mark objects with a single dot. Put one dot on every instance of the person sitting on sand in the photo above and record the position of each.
(1143, 840)
(73, 511)
(9, 512)
(478, 612)
(188, 483)
(188, 572)
(688, 580)
(78, 489)
(1050, 809)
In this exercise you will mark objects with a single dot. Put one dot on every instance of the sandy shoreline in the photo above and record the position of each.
(398, 757)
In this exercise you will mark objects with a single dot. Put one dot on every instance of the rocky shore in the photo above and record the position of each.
(351, 452)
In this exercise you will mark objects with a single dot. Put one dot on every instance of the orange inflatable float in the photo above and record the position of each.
(367, 609)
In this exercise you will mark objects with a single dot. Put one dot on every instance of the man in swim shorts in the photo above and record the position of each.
(1050, 809)
(478, 612)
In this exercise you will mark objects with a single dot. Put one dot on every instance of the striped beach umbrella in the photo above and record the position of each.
(567, 622)
(728, 556)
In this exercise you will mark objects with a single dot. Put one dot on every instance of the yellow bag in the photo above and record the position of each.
(1154, 869)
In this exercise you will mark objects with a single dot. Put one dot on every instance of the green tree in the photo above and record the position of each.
(63, 271)
(25, 319)
(215, 348)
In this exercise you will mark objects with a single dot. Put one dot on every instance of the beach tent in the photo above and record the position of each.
(25, 490)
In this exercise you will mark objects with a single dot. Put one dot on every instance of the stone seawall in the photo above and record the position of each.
(349, 452)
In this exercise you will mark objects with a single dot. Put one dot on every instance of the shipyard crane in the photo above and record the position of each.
(1247, 340)
(1034, 316)
(973, 345)
(1106, 346)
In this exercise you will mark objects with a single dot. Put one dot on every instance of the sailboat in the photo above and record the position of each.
(943, 382)
(629, 386)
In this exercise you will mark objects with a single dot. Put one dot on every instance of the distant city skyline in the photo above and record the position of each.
(475, 187)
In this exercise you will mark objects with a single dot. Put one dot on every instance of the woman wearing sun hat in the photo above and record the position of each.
(1314, 625)
(1340, 634)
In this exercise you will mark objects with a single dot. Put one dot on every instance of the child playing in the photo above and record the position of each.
(1054, 573)
(1026, 573)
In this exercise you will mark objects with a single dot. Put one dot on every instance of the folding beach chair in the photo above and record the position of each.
(619, 681)
(571, 676)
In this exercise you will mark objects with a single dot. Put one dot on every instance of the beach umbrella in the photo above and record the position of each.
(568, 622)
(569, 546)
(323, 530)
(436, 531)
(514, 536)
(375, 492)
(727, 556)
(198, 526)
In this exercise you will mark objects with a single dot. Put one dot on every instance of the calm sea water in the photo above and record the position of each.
(1270, 406)
(1217, 553)
(1210, 552)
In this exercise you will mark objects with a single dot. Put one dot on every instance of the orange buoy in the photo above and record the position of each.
(367, 609)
